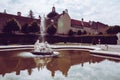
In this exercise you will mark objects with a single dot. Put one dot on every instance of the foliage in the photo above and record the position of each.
(51, 30)
(79, 32)
(24, 28)
(33, 28)
(70, 33)
(84, 32)
(113, 30)
(100, 33)
(109, 31)
(11, 26)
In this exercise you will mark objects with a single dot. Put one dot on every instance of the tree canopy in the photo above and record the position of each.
(11, 26)
(113, 30)
(51, 30)
(70, 33)
(24, 28)
(33, 28)
(79, 32)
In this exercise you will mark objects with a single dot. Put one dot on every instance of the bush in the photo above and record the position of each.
(51, 30)
(70, 33)
(33, 28)
(25, 28)
(79, 32)
(11, 26)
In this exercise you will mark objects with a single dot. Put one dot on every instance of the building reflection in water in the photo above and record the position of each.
(63, 63)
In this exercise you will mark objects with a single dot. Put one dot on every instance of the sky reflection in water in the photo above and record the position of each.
(70, 65)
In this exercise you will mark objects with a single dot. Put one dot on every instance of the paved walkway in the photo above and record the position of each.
(113, 48)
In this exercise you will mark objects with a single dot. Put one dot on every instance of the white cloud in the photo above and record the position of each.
(106, 11)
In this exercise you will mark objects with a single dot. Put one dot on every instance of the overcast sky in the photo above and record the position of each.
(105, 11)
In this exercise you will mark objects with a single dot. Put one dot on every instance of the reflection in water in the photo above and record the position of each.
(41, 62)
(70, 58)
(68, 61)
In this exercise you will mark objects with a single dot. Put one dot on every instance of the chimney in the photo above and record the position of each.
(90, 22)
(66, 10)
(82, 19)
(63, 12)
(19, 13)
(5, 11)
(82, 22)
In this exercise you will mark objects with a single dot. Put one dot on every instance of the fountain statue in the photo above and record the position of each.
(118, 36)
(43, 48)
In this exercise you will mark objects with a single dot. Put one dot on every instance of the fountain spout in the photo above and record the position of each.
(42, 29)
(42, 48)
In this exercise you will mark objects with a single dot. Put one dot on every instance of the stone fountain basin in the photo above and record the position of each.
(94, 50)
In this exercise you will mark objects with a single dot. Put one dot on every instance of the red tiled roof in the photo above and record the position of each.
(21, 19)
(98, 24)
(76, 22)
(79, 23)
(94, 25)
(101, 24)
(86, 24)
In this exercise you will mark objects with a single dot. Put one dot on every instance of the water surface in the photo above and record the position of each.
(70, 65)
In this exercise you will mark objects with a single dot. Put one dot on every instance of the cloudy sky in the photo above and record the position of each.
(105, 11)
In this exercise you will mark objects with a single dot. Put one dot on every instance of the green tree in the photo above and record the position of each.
(34, 28)
(79, 32)
(113, 30)
(24, 28)
(110, 30)
(11, 26)
(84, 32)
(116, 29)
(100, 33)
(51, 30)
(70, 33)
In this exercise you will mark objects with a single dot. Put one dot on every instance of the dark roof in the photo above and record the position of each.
(53, 13)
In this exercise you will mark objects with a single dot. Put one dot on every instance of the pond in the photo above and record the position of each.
(69, 65)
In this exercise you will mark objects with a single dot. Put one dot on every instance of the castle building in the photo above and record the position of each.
(61, 21)
(64, 23)
(4, 17)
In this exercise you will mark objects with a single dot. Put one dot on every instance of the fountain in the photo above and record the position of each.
(118, 40)
(43, 48)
